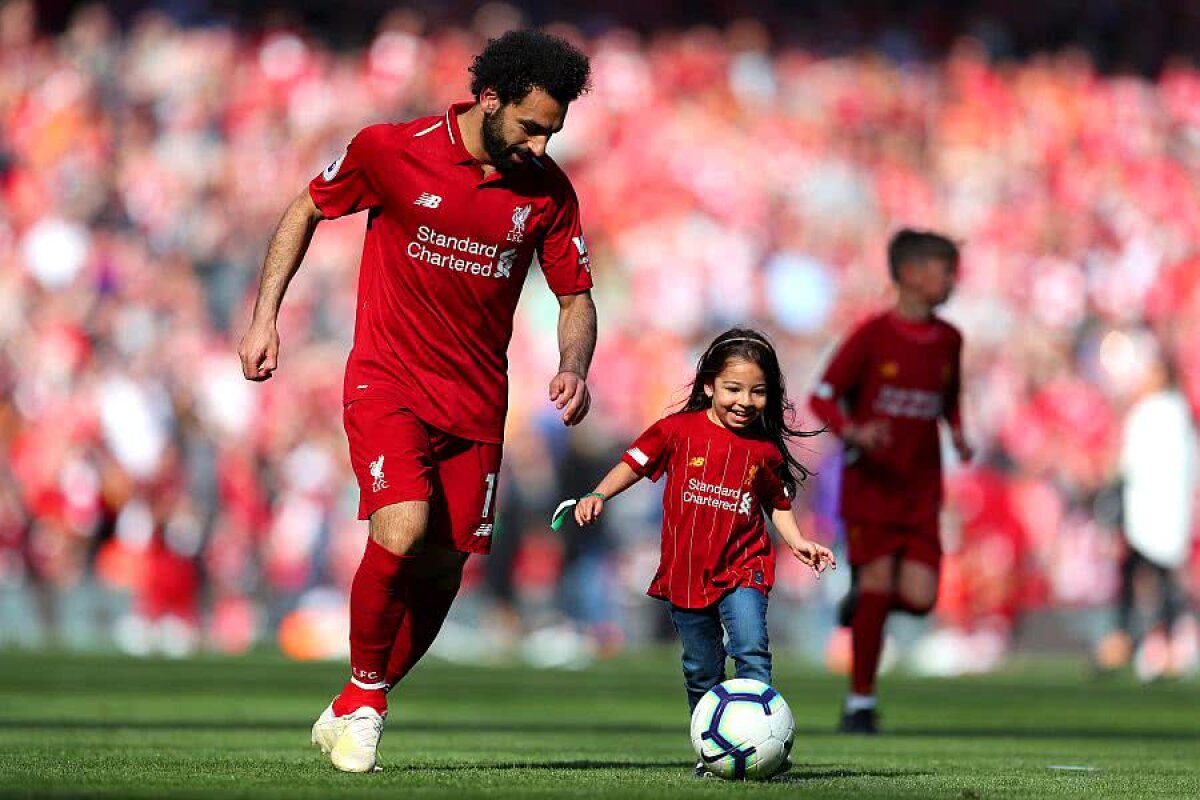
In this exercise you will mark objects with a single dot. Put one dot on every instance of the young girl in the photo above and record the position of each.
(727, 463)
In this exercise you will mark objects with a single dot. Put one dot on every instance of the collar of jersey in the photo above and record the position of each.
(461, 154)
(921, 331)
(454, 133)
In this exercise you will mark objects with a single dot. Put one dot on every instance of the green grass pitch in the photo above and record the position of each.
(110, 727)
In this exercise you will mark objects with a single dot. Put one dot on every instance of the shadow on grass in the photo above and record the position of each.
(797, 775)
(809, 774)
(550, 765)
(1033, 733)
(582, 727)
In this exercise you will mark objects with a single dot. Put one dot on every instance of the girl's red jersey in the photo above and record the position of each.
(719, 483)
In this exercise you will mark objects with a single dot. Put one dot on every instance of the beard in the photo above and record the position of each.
(497, 149)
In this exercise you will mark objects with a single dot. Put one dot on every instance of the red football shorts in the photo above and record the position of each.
(396, 458)
(867, 541)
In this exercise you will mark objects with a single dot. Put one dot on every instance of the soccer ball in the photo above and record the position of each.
(742, 730)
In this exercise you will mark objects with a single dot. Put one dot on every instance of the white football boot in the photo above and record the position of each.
(354, 749)
(327, 729)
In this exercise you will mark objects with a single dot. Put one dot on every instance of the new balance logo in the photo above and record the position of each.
(428, 200)
(484, 529)
(379, 481)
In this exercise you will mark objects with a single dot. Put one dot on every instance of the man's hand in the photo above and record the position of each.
(259, 348)
(259, 351)
(569, 392)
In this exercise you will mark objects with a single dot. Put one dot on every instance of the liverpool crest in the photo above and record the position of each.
(520, 216)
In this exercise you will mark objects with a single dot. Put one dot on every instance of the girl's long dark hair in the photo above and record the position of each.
(750, 345)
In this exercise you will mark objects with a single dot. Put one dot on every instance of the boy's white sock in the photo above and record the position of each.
(859, 702)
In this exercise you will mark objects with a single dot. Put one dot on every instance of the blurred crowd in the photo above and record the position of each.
(152, 497)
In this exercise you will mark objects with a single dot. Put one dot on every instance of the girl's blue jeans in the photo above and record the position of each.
(742, 614)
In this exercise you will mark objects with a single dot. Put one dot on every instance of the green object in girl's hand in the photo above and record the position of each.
(560, 513)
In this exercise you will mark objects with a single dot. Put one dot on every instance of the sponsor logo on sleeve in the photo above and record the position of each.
(332, 170)
(585, 261)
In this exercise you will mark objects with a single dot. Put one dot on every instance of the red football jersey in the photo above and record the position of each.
(718, 485)
(445, 256)
(907, 374)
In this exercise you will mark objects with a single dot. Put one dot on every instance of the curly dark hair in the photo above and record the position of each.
(519, 61)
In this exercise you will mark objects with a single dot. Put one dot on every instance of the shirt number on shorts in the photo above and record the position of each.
(491, 492)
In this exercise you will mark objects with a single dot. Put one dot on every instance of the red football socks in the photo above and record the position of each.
(378, 603)
(351, 698)
(866, 636)
(429, 602)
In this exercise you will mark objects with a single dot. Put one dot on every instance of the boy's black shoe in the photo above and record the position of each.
(861, 721)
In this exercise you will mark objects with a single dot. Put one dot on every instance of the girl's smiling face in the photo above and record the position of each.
(738, 394)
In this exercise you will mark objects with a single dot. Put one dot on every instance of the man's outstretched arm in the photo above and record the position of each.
(576, 344)
(259, 348)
